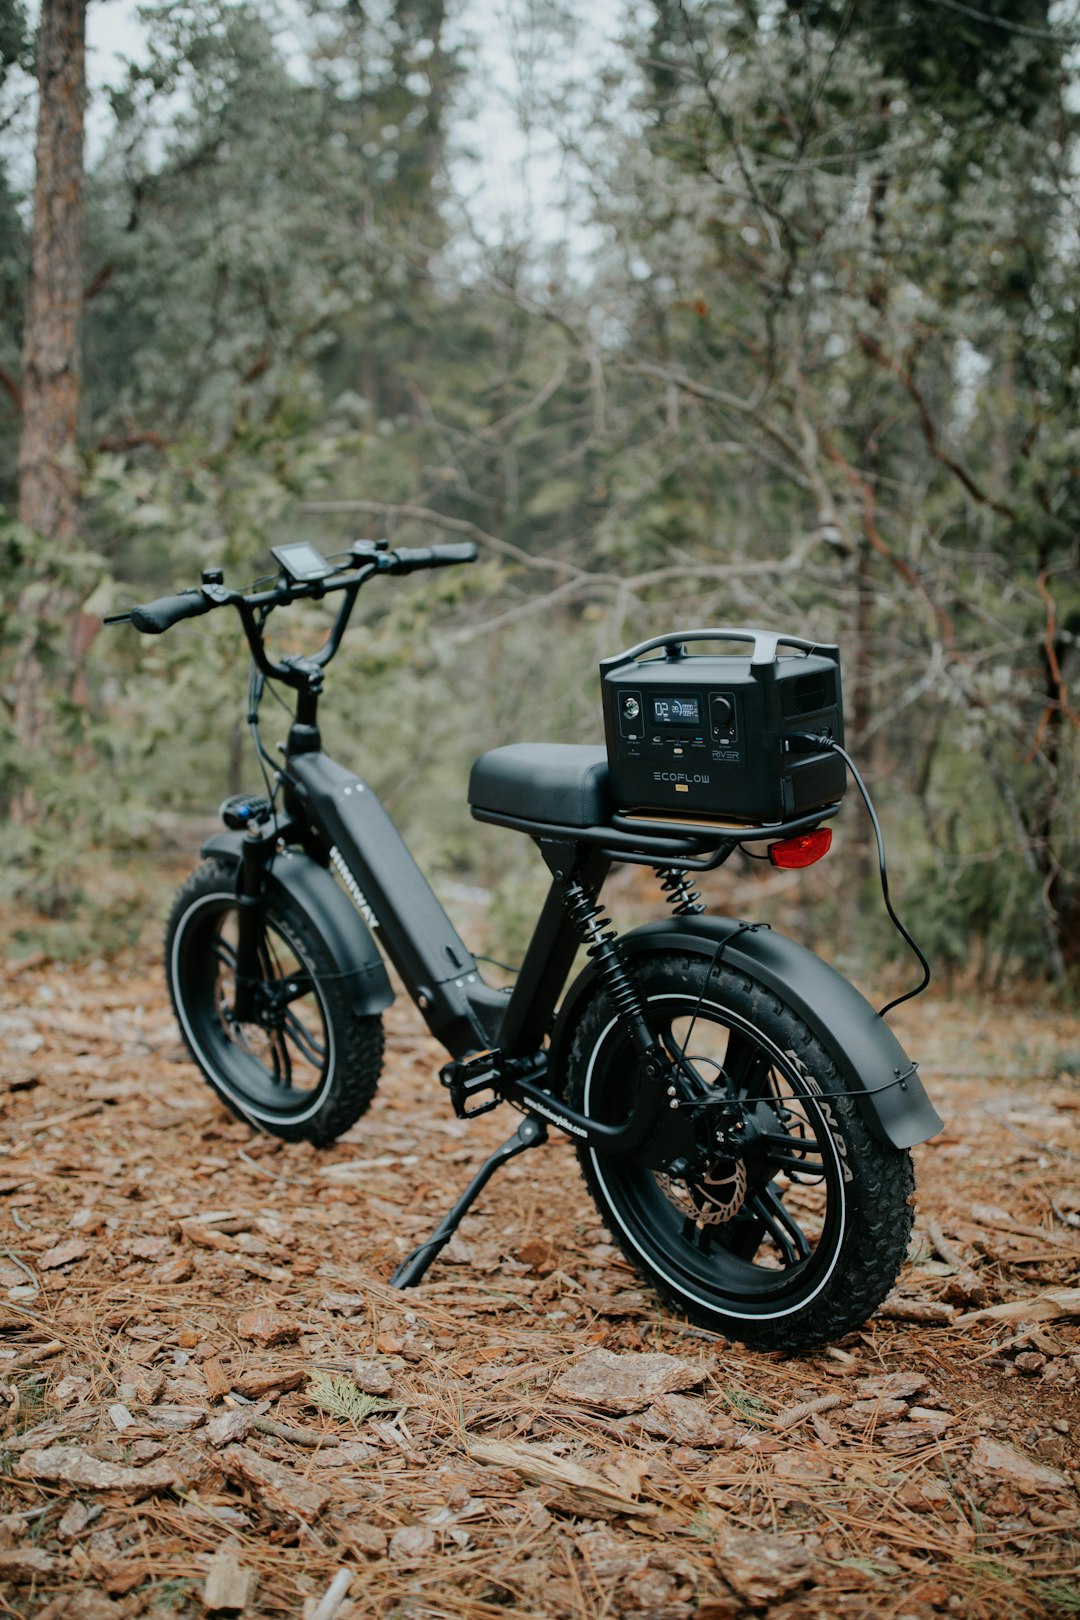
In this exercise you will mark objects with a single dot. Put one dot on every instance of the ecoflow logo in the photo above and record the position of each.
(680, 776)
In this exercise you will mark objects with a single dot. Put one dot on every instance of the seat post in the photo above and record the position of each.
(551, 951)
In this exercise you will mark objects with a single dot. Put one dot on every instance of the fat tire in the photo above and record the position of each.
(872, 1237)
(354, 1041)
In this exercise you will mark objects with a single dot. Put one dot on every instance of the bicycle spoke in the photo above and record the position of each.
(304, 1041)
(746, 1066)
(781, 1226)
(784, 1151)
(279, 1053)
(794, 1165)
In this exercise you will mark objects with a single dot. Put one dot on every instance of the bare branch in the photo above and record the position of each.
(11, 389)
(425, 514)
(871, 347)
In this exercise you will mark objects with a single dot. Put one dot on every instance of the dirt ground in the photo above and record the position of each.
(210, 1399)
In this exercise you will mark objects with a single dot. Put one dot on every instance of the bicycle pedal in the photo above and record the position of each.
(467, 1078)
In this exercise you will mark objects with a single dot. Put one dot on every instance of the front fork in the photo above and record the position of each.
(259, 845)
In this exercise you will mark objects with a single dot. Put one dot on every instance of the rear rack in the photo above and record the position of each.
(696, 846)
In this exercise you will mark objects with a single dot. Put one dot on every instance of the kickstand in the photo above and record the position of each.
(530, 1133)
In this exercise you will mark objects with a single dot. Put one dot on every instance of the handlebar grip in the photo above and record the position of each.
(151, 618)
(406, 561)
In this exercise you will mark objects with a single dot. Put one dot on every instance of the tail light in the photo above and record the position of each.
(802, 850)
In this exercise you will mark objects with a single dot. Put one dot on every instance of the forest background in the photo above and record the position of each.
(794, 340)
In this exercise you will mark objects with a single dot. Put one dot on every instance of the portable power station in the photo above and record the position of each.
(714, 737)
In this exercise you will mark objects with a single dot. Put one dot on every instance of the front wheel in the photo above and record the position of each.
(785, 1241)
(304, 1065)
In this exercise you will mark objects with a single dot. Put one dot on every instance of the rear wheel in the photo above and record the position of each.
(786, 1240)
(305, 1065)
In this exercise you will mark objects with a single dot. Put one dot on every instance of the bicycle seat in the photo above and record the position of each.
(561, 783)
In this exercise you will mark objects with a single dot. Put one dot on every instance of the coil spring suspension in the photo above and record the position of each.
(602, 942)
(683, 900)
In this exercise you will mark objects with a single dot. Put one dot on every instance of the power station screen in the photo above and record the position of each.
(675, 709)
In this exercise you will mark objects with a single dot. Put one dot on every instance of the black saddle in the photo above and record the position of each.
(565, 784)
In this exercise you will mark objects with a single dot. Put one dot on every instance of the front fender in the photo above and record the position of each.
(343, 932)
(888, 1092)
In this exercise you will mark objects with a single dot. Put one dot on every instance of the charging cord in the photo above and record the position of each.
(824, 741)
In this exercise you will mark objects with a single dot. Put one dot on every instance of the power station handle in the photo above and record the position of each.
(765, 644)
(151, 618)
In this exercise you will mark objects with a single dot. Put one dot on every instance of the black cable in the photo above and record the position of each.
(829, 742)
(496, 963)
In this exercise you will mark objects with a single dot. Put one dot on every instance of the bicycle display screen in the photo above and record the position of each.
(675, 709)
(302, 561)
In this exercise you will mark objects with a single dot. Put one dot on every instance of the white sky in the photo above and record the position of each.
(516, 182)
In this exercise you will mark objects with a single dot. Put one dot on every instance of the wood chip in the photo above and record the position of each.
(277, 1485)
(204, 1237)
(22, 1565)
(1045, 1307)
(268, 1381)
(77, 1469)
(63, 1254)
(1030, 1477)
(627, 1382)
(229, 1586)
(590, 1492)
(916, 1310)
(761, 1566)
(266, 1326)
(234, 1424)
(687, 1421)
(217, 1379)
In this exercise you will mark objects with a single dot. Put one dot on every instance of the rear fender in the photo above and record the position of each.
(870, 1059)
(340, 927)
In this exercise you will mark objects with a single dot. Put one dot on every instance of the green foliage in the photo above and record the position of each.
(820, 373)
(340, 1396)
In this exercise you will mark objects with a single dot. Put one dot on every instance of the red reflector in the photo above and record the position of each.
(802, 850)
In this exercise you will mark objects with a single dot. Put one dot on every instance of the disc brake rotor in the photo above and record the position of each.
(711, 1199)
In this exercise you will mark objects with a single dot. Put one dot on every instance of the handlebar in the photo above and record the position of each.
(408, 562)
(366, 558)
(151, 618)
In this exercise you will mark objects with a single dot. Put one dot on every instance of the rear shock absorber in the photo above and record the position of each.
(602, 945)
(683, 900)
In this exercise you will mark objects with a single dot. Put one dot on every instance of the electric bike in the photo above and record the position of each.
(742, 1115)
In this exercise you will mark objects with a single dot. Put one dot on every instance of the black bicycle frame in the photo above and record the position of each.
(439, 971)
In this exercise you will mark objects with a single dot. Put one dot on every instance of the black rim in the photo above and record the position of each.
(759, 1234)
(278, 1062)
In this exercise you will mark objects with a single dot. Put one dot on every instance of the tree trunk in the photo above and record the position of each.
(50, 357)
